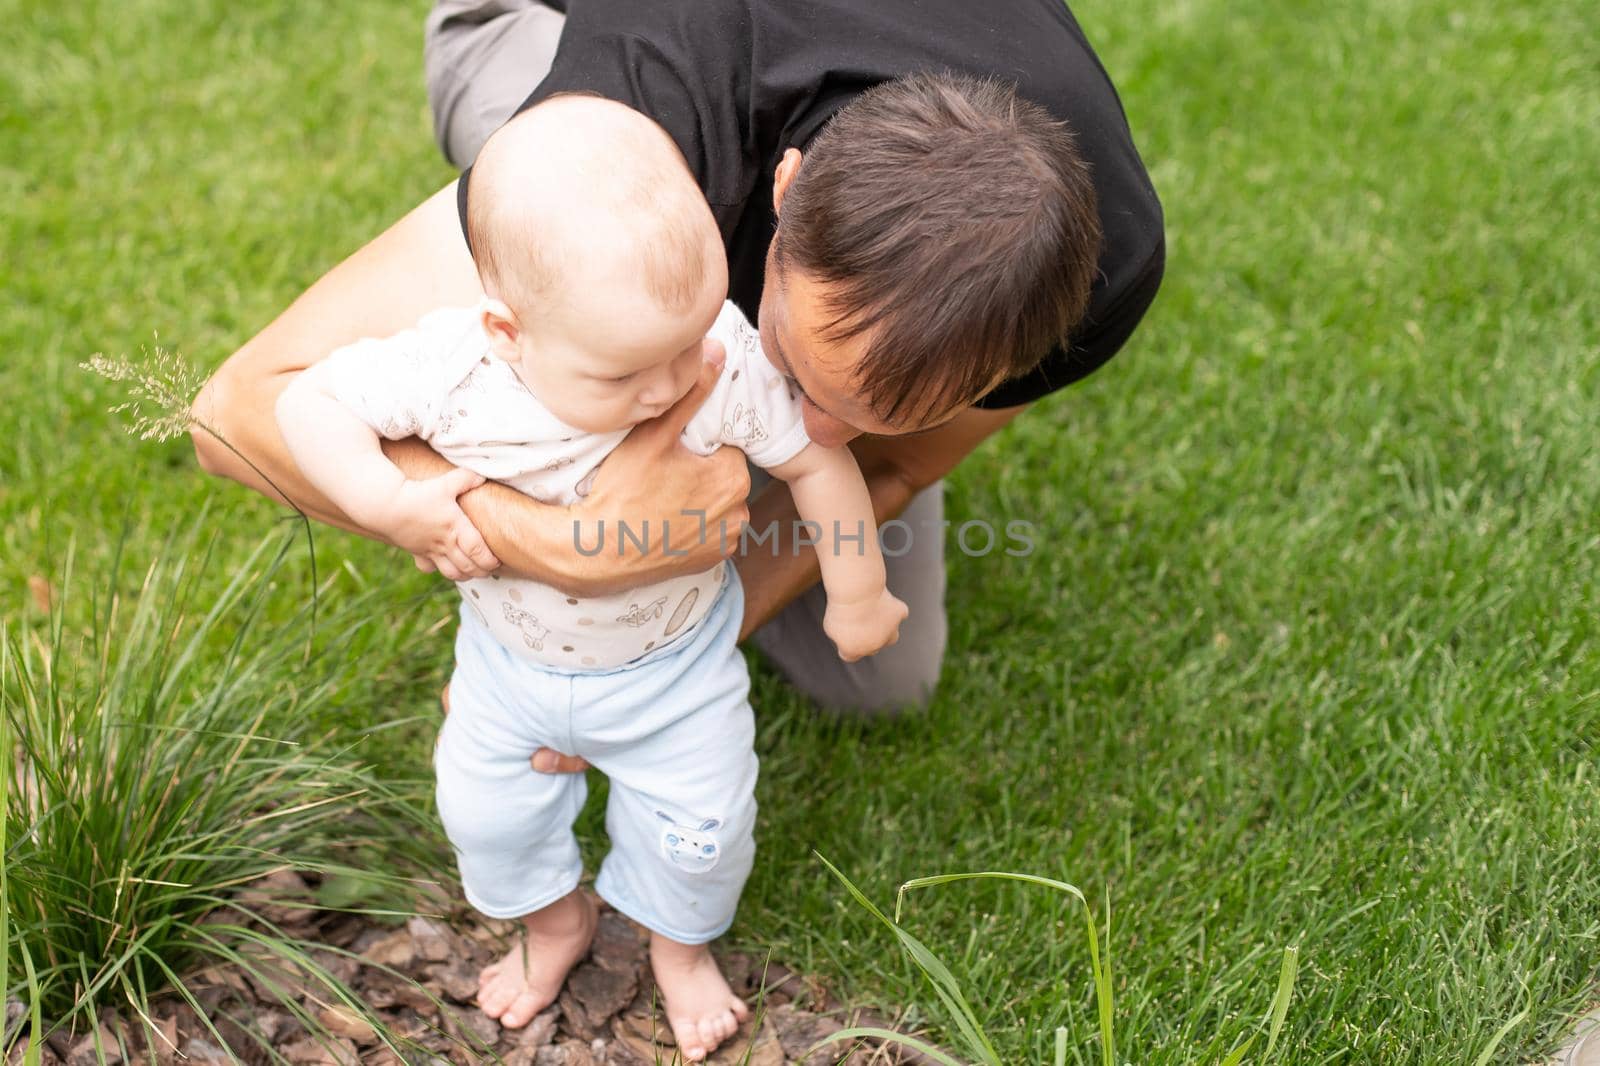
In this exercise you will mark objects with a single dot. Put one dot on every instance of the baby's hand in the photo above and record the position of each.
(865, 627)
(425, 519)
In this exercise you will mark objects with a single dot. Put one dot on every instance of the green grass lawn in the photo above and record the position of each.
(1307, 652)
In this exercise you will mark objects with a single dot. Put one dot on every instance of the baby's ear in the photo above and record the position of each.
(500, 326)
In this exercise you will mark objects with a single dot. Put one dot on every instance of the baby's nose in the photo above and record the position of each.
(656, 394)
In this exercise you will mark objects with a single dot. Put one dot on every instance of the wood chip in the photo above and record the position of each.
(205, 1053)
(341, 966)
(342, 1021)
(476, 1028)
(279, 898)
(395, 950)
(799, 1030)
(336, 1052)
(274, 1024)
(381, 1056)
(430, 939)
(537, 1033)
(569, 1053)
(602, 992)
(635, 1050)
(457, 980)
(84, 1052)
(19, 1053)
(618, 943)
(644, 1028)
(767, 1051)
(574, 1018)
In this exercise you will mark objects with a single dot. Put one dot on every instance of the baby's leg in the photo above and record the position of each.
(681, 818)
(701, 1008)
(682, 847)
(512, 830)
(529, 977)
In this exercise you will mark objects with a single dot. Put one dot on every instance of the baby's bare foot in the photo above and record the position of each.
(529, 978)
(701, 1008)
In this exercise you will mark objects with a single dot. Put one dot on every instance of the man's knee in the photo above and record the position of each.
(481, 59)
(905, 682)
(900, 679)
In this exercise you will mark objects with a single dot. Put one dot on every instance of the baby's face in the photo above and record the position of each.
(615, 363)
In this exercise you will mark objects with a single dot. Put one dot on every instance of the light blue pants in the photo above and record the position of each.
(673, 731)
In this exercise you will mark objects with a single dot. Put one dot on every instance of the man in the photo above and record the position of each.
(925, 254)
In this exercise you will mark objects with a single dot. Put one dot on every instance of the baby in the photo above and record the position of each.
(603, 275)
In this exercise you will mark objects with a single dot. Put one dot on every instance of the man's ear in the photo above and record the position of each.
(500, 326)
(788, 167)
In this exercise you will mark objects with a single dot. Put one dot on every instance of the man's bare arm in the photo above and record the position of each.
(648, 471)
(895, 469)
(418, 263)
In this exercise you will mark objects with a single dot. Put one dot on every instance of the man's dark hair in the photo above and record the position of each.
(954, 224)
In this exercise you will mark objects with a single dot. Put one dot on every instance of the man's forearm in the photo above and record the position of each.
(531, 539)
(778, 570)
(236, 436)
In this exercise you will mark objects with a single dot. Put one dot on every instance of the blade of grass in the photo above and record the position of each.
(124, 858)
(945, 985)
(888, 1035)
(1494, 1042)
(35, 1050)
(6, 772)
(1280, 998)
(1100, 972)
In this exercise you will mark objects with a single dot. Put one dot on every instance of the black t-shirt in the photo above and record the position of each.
(736, 82)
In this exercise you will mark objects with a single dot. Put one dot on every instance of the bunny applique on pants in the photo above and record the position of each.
(674, 732)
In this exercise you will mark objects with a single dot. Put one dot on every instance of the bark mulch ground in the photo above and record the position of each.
(420, 979)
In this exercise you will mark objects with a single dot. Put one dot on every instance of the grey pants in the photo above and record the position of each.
(483, 58)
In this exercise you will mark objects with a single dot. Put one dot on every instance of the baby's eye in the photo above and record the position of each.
(623, 378)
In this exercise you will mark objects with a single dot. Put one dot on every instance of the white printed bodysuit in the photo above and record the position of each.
(439, 381)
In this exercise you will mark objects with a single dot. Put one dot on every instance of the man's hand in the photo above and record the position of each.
(866, 627)
(550, 761)
(649, 481)
(426, 520)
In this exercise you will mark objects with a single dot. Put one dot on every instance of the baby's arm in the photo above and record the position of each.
(341, 456)
(862, 616)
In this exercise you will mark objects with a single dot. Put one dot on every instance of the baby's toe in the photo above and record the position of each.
(493, 1001)
(687, 1035)
(712, 1029)
(521, 1011)
(740, 1010)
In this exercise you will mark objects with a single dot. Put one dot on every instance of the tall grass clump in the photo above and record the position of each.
(164, 751)
(976, 1044)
